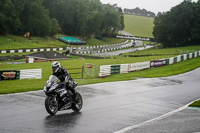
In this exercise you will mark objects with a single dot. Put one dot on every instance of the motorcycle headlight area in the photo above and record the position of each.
(52, 87)
(45, 88)
(48, 84)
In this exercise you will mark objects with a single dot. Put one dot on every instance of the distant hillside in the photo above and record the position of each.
(138, 25)
(139, 12)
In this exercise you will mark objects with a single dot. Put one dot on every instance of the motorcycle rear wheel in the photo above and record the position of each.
(76, 106)
(51, 105)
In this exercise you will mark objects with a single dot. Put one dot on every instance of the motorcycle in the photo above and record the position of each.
(59, 98)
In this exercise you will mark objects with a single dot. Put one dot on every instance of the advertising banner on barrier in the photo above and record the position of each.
(139, 66)
(158, 63)
(9, 75)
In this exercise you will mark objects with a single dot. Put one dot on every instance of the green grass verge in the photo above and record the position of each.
(166, 51)
(105, 41)
(138, 25)
(13, 86)
(195, 104)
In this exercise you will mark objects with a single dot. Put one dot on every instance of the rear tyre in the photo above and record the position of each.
(51, 105)
(77, 105)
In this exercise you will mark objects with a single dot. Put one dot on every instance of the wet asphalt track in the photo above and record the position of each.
(108, 107)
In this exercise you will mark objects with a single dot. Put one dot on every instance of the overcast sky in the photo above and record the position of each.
(150, 5)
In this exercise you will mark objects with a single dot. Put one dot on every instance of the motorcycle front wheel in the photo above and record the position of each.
(76, 106)
(51, 105)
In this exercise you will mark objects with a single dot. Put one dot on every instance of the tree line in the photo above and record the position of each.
(180, 26)
(83, 18)
(140, 12)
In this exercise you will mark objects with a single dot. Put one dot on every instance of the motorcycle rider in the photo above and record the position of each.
(63, 75)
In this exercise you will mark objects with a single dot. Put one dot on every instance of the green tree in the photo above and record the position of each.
(111, 20)
(196, 25)
(9, 21)
(55, 28)
(84, 18)
(36, 20)
(92, 21)
(122, 26)
(63, 11)
(174, 27)
(160, 29)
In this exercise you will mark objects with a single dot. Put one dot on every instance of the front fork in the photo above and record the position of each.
(54, 100)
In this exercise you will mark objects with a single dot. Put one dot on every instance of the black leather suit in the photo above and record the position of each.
(61, 75)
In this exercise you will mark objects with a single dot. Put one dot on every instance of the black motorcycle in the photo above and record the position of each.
(59, 98)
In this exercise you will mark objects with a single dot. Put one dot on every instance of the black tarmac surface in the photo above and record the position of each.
(109, 107)
(184, 121)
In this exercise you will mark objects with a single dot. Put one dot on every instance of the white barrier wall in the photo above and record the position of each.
(124, 68)
(105, 70)
(171, 60)
(184, 56)
(190, 55)
(179, 58)
(195, 54)
(31, 74)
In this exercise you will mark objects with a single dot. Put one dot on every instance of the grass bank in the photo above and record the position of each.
(20, 42)
(138, 25)
(166, 51)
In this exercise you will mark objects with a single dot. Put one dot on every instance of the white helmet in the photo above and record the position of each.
(55, 66)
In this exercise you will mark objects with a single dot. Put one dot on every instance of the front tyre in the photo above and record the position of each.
(76, 106)
(51, 105)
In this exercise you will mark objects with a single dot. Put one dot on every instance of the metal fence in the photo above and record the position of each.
(89, 71)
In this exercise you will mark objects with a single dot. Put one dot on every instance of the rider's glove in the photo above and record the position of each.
(66, 79)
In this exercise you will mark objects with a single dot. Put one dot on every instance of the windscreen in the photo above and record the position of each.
(53, 78)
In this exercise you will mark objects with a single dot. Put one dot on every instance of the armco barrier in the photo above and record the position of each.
(106, 70)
